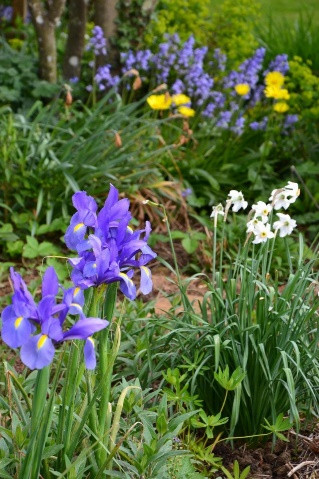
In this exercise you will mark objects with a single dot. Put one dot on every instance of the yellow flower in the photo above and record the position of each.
(186, 111)
(277, 93)
(275, 79)
(282, 94)
(242, 89)
(159, 102)
(180, 99)
(281, 107)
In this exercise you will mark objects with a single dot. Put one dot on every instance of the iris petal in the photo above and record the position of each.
(50, 283)
(146, 280)
(89, 354)
(16, 331)
(38, 352)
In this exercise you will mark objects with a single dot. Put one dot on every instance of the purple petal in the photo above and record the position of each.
(20, 286)
(75, 235)
(38, 352)
(16, 331)
(127, 286)
(146, 280)
(82, 201)
(50, 282)
(45, 307)
(52, 328)
(85, 327)
(112, 197)
(89, 353)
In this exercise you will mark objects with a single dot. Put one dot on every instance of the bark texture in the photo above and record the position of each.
(76, 38)
(45, 18)
(105, 15)
(19, 10)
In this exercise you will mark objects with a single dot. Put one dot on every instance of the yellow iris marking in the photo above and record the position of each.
(76, 291)
(42, 341)
(123, 275)
(76, 305)
(91, 339)
(18, 322)
(78, 226)
(130, 229)
(146, 270)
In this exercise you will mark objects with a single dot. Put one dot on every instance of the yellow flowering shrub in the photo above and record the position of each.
(233, 28)
(303, 86)
(184, 17)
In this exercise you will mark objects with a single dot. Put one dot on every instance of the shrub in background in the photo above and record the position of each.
(182, 17)
(56, 150)
(232, 28)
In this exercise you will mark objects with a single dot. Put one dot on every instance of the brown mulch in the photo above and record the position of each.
(298, 459)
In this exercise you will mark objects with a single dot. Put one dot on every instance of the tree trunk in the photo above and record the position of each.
(105, 15)
(75, 41)
(47, 52)
(45, 19)
(19, 10)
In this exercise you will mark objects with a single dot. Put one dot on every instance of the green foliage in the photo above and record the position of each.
(181, 16)
(52, 152)
(236, 472)
(304, 88)
(233, 28)
(132, 22)
(20, 84)
(300, 37)
(281, 424)
(263, 331)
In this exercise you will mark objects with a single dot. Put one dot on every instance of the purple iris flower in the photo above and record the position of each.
(47, 319)
(111, 252)
(86, 216)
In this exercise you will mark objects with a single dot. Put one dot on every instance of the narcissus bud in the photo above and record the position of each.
(68, 98)
(117, 140)
(137, 83)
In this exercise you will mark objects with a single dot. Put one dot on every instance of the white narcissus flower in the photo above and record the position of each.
(217, 210)
(252, 224)
(262, 210)
(292, 189)
(262, 233)
(237, 200)
(279, 199)
(285, 225)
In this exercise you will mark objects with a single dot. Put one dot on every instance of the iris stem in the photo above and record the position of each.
(106, 362)
(39, 397)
